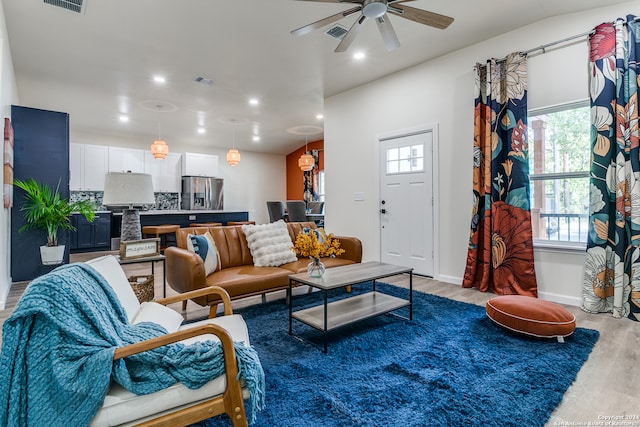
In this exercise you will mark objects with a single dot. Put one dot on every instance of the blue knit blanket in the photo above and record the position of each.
(58, 347)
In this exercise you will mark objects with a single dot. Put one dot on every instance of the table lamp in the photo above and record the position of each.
(130, 190)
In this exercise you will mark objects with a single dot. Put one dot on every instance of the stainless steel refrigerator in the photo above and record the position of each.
(200, 192)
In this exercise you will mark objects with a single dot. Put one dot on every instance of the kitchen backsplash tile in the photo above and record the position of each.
(164, 201)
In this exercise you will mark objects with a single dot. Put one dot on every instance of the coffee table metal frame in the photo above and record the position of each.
(329, 316)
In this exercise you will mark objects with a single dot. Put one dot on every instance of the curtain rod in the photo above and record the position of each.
(545, 46)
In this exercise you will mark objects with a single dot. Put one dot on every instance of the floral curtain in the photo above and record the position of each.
(612, 269)
(500, 255)
(311, 180)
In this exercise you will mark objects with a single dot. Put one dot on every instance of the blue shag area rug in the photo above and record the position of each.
(450, 366)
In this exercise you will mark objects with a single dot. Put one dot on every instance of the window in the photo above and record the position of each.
(321, 186)
(408, 158)
(559, 157)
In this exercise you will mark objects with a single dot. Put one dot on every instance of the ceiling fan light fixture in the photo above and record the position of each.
(374, 8)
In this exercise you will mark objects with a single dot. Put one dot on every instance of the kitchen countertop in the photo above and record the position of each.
(183, 212)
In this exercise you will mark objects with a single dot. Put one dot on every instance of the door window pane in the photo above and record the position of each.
(405, 159)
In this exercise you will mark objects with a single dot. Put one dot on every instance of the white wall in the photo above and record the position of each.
(259, 177)
(441, 91)
(8, 96)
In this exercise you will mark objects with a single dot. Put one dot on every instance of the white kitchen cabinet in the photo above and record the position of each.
(88, 164)
(126, 160)
(165, 173)
(75, 166)
(195, 164)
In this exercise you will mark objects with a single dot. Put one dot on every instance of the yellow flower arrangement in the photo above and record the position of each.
(316, 244)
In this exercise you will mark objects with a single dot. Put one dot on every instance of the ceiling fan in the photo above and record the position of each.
(376, 9)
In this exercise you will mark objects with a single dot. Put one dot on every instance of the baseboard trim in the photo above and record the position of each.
(560, 299)
(549, 296)
(450, 279)
(5, 296)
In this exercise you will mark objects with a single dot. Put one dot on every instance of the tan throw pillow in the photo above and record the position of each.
(270, 244)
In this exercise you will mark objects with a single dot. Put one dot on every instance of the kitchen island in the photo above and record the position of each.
(180, 217)
(104, 232)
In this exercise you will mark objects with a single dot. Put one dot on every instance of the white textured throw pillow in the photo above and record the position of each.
(270, 244)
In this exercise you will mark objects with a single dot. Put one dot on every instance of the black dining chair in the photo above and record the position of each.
(297, 210)
(315, 207)
(276, 211)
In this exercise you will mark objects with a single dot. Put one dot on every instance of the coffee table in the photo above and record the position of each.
(328, 316)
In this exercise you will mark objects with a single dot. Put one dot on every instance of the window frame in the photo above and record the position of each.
(547, 244)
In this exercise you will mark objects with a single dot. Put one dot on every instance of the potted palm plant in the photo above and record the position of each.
(45, 209)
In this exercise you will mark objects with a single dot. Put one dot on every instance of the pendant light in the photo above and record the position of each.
(159, 148)
(233, 155)
(306, 162)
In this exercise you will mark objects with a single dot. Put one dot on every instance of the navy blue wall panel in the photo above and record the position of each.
(41, 152)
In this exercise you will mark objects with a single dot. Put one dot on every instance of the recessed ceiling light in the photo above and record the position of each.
(159, 79)
(319, 117)
(202, 130)
(253, 101)
(358, 55)
(255, 138)
(124, 118)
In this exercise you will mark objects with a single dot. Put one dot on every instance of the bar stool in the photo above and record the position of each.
(241, 222)
(206, 224)
(162, 232)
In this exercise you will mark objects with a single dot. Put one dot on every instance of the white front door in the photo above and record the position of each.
(406, 202)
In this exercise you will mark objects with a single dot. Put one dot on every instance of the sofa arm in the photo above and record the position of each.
(352, 248)
(185, 270)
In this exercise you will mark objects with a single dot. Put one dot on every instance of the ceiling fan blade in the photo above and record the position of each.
(351, 35)
(389, 36)
(325, 21)
(422, 16)
(337, 1)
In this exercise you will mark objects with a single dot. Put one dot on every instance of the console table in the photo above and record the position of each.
(152, 259)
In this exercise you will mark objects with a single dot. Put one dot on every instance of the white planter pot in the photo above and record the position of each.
(52, 255)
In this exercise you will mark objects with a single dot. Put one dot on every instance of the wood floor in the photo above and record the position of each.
(608, 385)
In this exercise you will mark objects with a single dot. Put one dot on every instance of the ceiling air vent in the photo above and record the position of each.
(77, 6)
(203, 80)
(337, 31)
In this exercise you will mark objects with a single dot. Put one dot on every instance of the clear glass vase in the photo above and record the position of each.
(315, 268)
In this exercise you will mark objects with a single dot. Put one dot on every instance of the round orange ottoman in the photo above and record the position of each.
(531, 316)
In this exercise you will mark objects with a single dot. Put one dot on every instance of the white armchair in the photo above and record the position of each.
(175, 405)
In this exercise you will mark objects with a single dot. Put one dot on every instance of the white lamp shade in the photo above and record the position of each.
(128, 189)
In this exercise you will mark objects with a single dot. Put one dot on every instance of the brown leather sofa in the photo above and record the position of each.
(238, 276)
